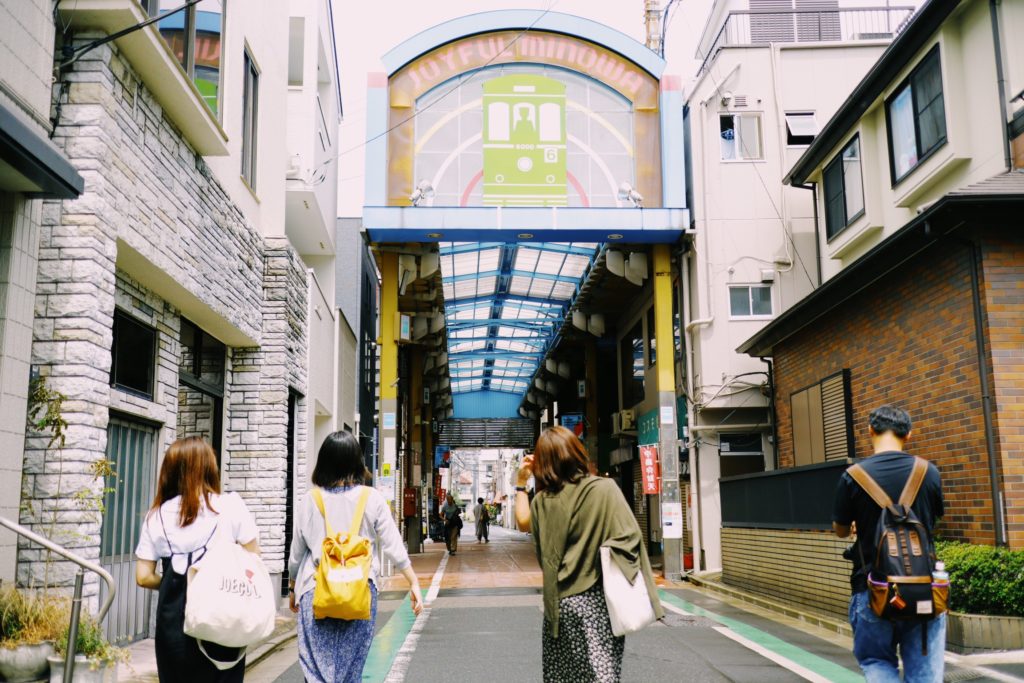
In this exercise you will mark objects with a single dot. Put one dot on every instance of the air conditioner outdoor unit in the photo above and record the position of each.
(623, 421)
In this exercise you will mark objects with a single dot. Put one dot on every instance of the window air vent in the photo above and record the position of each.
(739, 101)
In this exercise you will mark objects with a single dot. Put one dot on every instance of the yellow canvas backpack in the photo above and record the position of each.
(343, 575)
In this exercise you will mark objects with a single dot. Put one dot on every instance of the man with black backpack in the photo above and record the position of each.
(892, 501)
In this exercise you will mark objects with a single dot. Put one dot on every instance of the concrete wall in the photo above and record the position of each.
(748, 221)
(261, 26)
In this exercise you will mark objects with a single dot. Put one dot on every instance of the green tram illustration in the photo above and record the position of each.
(524, 141)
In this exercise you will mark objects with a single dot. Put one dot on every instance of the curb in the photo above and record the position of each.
(268, 647)
(812, 618)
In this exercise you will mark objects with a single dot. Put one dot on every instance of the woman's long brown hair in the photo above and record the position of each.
(558, 459)
(189, 470)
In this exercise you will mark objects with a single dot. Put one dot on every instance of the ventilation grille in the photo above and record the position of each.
(739, 101)
(834, 417)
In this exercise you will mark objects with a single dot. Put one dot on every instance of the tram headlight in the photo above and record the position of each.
(524, 164)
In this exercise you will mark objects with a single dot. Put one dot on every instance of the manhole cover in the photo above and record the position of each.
(957, 675)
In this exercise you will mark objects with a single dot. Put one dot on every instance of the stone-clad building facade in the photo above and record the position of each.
(155, 249)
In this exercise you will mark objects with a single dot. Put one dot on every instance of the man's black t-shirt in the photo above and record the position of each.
(852, 504)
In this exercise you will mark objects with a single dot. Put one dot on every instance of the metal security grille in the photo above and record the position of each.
(487, 433)
(131, 449)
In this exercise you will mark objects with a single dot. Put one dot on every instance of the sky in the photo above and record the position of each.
(365, 30)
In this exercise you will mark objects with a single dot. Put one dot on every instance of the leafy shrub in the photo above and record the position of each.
(28, 617)
(92, 643)
(984, 579)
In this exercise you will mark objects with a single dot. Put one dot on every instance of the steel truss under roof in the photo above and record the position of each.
(504, 305)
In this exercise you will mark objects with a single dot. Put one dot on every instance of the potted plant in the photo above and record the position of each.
(30, 622)
(96, 659)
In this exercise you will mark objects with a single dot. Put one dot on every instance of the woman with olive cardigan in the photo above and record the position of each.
(572, 516)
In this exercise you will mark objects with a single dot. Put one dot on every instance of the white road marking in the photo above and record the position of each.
(800, 671)
(401, 664)
(789, 664)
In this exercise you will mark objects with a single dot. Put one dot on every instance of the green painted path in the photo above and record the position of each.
(819, 665)
(388, 641)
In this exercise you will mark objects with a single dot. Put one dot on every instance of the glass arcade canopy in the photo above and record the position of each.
(504, 306)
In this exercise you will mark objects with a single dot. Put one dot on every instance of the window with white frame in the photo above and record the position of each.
(801, 127)
(916, 117)
(750, 301)
(250, 114)
(844, 189)
(741, 137)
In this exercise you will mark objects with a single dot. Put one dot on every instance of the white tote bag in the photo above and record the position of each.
(629, 605)
(230, 599)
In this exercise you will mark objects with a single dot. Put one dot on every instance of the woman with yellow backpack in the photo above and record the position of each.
(333, 565)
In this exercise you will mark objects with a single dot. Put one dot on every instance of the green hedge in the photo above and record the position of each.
(984, 579)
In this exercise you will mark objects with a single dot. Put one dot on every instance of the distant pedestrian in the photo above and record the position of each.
(483, 520)
(188, 509)
(333, 650)
(452, 516)
(875, 639)
(572, 516)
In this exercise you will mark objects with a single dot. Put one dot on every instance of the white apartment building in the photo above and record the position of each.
(773, 73)
(189, 287)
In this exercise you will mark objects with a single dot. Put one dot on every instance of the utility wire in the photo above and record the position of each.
(461, 82)
(74, 54)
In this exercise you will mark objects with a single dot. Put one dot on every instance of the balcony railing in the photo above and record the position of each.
(763, 27)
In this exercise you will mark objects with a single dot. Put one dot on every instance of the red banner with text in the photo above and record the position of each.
(650, 469)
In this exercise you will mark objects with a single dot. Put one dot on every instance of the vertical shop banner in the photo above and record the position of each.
(650, 470)
(442, 456)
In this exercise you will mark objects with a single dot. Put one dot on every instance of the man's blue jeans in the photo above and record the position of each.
(875, 641)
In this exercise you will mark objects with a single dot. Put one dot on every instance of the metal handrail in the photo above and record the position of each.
(80, 561)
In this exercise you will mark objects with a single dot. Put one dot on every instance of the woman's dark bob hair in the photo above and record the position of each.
(559, 459)
(340, 461)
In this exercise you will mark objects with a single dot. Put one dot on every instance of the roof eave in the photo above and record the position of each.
(865, 270)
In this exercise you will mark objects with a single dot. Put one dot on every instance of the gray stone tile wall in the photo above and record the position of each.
(146, 187)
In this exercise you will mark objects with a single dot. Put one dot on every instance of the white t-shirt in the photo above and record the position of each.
(170, 540)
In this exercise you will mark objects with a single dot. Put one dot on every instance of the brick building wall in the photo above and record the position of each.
(1003, 268)
(907, 339)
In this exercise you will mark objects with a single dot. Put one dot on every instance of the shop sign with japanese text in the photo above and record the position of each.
(650, 470)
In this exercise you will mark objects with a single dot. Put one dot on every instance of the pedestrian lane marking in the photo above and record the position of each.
(395, 644)
(801, 662)
(768, 654)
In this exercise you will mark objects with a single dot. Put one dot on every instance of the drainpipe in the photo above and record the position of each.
(771, 405)
(986, 397)
(993, 7)
(698, 517)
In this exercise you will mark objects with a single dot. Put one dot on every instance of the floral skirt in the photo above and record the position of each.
(585, 651)
(334, 650)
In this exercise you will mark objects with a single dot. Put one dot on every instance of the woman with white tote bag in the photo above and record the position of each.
(576, 518)
(189, 509)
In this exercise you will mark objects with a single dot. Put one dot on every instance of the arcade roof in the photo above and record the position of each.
(504, 304)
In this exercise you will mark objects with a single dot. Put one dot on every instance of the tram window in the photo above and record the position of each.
(550, 122)
(497, 121)
(525, 119)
